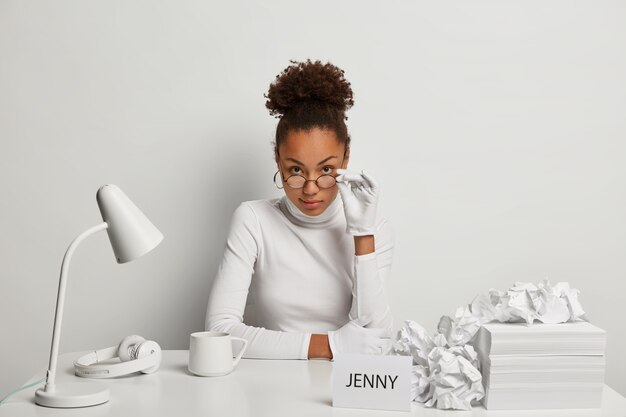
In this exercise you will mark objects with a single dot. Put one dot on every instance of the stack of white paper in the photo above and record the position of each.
(541, 365)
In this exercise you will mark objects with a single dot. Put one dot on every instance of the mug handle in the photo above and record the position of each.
(243, 349)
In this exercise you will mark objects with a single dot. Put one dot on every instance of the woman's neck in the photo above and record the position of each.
(323, 217)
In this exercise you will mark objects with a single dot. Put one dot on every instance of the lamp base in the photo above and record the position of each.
(73, 395)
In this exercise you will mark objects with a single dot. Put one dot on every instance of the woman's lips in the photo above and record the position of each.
(312, 204)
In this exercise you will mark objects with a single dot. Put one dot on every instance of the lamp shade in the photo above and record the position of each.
(130, 232)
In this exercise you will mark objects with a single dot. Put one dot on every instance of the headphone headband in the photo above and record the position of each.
(89, 366)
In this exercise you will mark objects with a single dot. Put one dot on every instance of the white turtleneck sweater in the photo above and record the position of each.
(302, 274)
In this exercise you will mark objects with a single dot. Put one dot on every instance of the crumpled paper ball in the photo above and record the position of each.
(526, 302)
(421, 386)
(413, 340)
(461, 329)
(456, 381)
(445, 371)
(442, 376)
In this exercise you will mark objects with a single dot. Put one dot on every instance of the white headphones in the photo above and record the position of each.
(135, 353)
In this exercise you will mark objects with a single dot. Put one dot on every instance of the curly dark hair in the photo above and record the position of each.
(308, 95)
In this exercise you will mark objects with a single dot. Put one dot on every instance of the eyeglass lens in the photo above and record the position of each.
(298, 181)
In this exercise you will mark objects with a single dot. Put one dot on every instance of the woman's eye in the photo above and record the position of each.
(295, 170)
(327, 170)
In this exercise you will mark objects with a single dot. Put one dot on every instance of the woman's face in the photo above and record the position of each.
(311, 153)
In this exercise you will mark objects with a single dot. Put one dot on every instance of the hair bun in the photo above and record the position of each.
(310, 83)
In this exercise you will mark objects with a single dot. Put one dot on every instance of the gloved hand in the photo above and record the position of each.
(359, 193)
(352, 337)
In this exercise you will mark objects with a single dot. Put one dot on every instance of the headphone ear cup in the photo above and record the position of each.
(125, 350)
(148, 348)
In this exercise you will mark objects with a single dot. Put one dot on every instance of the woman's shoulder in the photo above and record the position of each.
(249, 216)
(259, 206)
(257, 209)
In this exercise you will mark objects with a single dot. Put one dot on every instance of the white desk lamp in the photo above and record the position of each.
(132, 235)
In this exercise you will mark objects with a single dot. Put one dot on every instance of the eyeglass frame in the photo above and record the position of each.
(305, 180)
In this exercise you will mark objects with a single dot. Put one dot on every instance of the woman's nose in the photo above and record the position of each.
(311, 188)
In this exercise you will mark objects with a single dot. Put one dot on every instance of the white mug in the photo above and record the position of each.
(211, 353)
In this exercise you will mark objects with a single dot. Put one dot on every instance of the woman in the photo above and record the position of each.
(317, 264)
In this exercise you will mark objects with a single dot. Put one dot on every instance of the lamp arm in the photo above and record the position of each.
(58, 317)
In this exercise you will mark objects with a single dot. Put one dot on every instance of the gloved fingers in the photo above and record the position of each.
(352, 177)
(358, 187)
(387, 346)
(380, 347)
(378, 332)
(375, 347)
(348, 176)
(372, 183)
(344, 191)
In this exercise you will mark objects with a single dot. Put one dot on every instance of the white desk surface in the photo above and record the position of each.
(255, 388)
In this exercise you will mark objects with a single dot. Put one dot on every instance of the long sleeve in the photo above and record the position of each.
(229, 292)
(371, 279)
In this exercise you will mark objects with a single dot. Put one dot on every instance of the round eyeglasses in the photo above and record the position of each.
(298, 181)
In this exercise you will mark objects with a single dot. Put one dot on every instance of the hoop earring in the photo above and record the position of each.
(280, 188)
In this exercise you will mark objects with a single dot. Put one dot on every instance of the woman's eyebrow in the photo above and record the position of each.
(300, 163)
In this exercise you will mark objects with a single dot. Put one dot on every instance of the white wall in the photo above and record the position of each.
(496, 130)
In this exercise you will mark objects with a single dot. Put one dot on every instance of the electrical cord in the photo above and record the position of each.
(22, 388)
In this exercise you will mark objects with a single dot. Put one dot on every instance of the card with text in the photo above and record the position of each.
(378, 382)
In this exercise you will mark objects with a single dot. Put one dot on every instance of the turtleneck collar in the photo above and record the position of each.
(322, 219)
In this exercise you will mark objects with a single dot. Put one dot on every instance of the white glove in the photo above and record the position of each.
(354, 338)
(359, 193)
